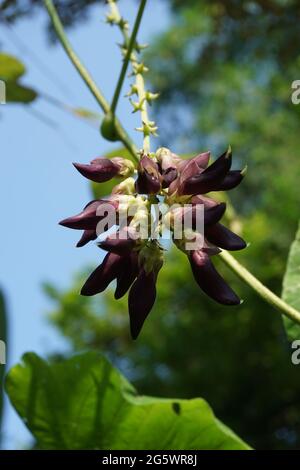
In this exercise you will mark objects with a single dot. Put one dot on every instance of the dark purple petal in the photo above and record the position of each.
(231, 180)
(210, 249)
(222, 164)
(141, 299)
(103, 275)
(100, 170)
(210, 178)
(121, 243)
(206, 201)
(174, 186)
(221, 236)
(87, 236)
(88, 218)
(188, 215)
(214, 214)
(202, 161)
(210, 281)
(168, 176)
(85, 220)
(126, 275)
(148, 181)
(190, 169)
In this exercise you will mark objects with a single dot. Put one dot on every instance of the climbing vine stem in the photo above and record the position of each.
(259, 287)
(85, 75)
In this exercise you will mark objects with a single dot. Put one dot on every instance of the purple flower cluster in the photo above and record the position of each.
(135, 262)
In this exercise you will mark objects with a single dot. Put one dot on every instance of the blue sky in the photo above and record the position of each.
(39, 185)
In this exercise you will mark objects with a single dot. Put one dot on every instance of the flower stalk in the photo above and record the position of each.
(138, 88)
(85, 75)
(129, 50)
(265, 293)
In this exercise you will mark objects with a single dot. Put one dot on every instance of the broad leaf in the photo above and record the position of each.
(85, 403)
(291, 286)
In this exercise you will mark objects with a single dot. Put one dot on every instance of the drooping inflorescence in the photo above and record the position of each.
(134, 251)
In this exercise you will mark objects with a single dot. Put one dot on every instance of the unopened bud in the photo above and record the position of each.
(108, 128)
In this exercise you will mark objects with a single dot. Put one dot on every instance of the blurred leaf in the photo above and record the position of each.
(11, 69)
(86, 114)
(291, 286)
(18, 94)
(85, 403)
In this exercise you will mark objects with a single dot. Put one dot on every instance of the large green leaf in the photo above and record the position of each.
(291, 286)
(85, 403)
(11, 69)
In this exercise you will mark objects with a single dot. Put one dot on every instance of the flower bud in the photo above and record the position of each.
(148, 181)
(85, 220)
(100, 279)
(141, 299)
(99, 170)
(127, 275)
(121, 242)
(209, 179)
(210, 281)
(87, 236)
(221, 236)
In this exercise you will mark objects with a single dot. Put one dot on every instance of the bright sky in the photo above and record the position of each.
(39, 185)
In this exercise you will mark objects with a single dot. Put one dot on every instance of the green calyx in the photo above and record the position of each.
(151, 257)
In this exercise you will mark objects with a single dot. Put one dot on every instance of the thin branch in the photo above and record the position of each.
(259, 288)
(130, 48)
(85, 75)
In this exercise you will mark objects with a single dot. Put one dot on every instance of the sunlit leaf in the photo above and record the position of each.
(85, 403)
(291, 286)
